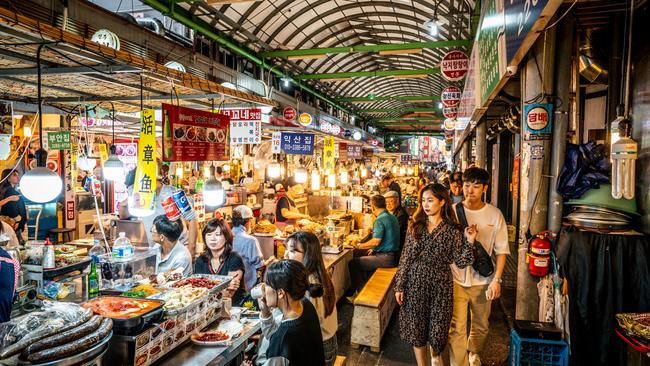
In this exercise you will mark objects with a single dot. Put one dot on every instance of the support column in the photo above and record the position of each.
(481, 144)
(536, 81)
(563, 66)
(464, 155)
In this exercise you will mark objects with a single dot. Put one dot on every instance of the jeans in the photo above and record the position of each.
(330, 347)
(459, 342)
(363, 265)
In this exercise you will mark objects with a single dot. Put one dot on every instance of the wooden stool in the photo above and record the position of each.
(340, 361)
(373, 309)
(66, 234)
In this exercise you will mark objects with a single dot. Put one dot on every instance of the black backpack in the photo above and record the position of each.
(482, 261)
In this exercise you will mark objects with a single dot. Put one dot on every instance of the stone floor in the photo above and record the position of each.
(395, 352)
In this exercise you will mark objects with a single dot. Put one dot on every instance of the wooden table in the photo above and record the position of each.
(337, 264)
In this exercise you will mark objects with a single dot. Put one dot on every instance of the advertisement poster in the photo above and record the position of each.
(538, 122)
(328, 154)
(145, 176)
(194, 135)
(297, 143)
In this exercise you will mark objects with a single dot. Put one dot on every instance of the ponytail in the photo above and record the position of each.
(315, 290)
(291, 276)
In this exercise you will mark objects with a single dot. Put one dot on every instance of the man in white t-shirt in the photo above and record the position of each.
(470, 288)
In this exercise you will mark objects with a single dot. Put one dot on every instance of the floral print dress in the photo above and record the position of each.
(424, 275)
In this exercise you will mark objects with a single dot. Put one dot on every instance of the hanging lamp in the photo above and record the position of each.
(113, 166)
(213, 193)
(40, 184)
(301, 175)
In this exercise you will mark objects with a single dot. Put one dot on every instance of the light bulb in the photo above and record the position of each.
(226, 168)
(394, 170)
(41, 185)
(344, 177)
(274, 170)
(114, 169)
(27, 131)
(315, 180)
(364, 172)
(433, 28)
(402, 171)
(206, 171)
(356, 135)
(286, 82)
(301, 175)
(331, 181)
(213, 194)
(179, 171)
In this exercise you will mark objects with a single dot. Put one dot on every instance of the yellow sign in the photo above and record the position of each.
(145, 177)
(305, 119)
(103, 153)
(328, 155)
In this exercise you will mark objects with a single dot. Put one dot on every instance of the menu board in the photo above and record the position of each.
(194, 135)
(355, 152)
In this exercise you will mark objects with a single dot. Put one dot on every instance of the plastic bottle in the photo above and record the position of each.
(122, 248)
(48, 255)
(97, 250)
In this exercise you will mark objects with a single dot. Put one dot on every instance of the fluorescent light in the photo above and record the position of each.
(306, 57)
(433, 28)
(440, 105)
(400, 52)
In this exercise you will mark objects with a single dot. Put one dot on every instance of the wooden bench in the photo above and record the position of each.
(373, 309)
(340, 361)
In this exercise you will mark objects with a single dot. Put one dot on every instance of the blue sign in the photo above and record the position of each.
(297, 143)
(520, 15)
(538, 122)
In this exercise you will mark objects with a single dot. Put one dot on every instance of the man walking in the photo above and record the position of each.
(470, 288)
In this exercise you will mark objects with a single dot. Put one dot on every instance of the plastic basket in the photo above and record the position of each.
(530, 351)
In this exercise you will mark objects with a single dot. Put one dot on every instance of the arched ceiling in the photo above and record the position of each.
(272, 25)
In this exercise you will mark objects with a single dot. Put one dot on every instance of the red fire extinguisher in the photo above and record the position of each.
(539, 253)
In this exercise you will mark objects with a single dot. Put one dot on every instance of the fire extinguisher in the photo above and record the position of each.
(539, 253)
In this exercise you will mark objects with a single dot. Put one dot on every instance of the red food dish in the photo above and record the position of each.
(215, 336)
(197, 282)
(120, 307)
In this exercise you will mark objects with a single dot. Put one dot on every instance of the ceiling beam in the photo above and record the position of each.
(401, 110)
(366, 48)
(110, 69)
(378, 73)
(403, 119)
(391, 98)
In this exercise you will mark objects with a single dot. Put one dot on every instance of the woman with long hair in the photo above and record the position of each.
(12, 203)
(305, 247)
(296, 339)
(219, 258)
(423, 285)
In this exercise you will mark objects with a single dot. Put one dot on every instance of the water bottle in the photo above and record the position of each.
(97, 250)
(122, 247)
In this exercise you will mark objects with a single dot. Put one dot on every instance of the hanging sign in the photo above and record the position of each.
(491, 53)
(450, 112)
(454, 65)
(289, 113)
(538, 123)
(343, 151)
(450, 96)
(194, 135)
(103, 153)
(328, 154)
(106, 38)
(335, 130)
(326, 127)
(245, 132)
(355, 152)
(58, 140)
(425, 147)
(450, 124)
(305, 119)
(297, 143)
(145, 176)
(68, 188)
(276, 138)
(243, 114)
(128, 154)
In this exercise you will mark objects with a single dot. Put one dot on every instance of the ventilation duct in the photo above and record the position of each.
(152, 24)
(589, 65)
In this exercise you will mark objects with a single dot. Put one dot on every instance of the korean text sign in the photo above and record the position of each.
(58, 140)
(328, 154)
(297, 143)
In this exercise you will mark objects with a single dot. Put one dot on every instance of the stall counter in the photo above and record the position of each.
(337, 264)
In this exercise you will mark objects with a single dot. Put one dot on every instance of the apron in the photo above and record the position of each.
(282, 224)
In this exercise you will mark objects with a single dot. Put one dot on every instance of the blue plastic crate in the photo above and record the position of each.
(530, 351)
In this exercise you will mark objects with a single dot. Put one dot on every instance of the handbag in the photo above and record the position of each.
(482, 261)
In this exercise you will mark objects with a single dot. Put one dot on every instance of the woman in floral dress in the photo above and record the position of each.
(423, 286)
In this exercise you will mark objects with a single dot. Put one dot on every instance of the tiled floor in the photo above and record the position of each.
(395, 352)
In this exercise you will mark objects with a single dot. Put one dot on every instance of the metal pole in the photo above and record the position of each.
(481, 144)
(535, 157)
(560, 120)
(464, 155)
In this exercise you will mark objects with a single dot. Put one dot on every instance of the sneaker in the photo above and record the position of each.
(350, 299)
(474, 360)
(437, 361)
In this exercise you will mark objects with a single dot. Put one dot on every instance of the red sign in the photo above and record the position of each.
(343, 151)
(243, 114)
(194, 135)
(454, 65)
(450, 96)
(289, 113)
(69, 210)
(425, 147)
(450, 112)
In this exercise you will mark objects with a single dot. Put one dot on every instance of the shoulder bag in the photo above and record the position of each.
(482, 261)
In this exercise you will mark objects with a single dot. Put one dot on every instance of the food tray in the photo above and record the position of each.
(80, 358)
(135, 324)
(79, 266)
(225, 281)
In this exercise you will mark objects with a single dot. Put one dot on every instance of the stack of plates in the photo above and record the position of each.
(596, 209)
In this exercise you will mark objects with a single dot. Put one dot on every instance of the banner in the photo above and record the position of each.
(297, 143)
(275, 142)
(145, 177)
(243, 114)
(58, 140)
(194, 135)
(343, 151)
(328, 154)
(245, 132)
(355, 152)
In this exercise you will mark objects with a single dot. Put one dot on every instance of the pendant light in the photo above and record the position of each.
(364, 171)
(113, 166)
(40, 184)
(331, 181)
(213, 194)
(274, 170)
(344, 176)
(301, 175)
(315, 180)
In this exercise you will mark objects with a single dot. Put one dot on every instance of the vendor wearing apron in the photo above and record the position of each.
(285, 209)
(8, 281)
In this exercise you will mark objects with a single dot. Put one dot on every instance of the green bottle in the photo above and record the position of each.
(93, 281)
